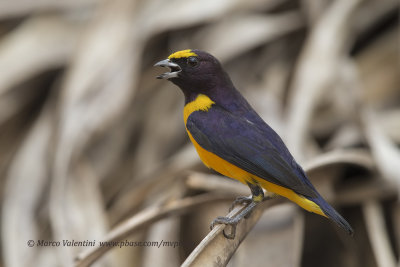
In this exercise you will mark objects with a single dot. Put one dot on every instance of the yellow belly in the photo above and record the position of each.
(227, 169)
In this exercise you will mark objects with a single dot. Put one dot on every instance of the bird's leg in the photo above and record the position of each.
(255, 190)
(257, 197)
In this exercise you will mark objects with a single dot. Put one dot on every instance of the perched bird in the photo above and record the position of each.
(231, 138)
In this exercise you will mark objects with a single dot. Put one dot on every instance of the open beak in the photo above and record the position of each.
(174, 69)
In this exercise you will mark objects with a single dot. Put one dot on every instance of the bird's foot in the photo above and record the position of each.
(234, 220)
(240, 201)
(227, 221)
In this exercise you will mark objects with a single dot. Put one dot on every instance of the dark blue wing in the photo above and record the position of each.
(248, 146)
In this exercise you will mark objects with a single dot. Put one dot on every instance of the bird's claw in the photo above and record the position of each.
(240, 201)
(234, 220)
(227, 221)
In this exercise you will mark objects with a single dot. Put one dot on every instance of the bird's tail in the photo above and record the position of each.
(333, 215)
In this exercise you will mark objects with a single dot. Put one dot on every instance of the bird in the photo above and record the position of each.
(233, 140)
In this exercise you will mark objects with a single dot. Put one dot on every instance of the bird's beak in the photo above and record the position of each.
(175, 69)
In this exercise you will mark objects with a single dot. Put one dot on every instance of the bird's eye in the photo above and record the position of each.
(192, 61)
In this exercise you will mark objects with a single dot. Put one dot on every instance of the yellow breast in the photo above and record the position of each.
(204, 103)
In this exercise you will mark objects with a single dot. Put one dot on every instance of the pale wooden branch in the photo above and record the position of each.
(215, 183)
(144, 219)
(358, 157)
(325, 46)
(215, 249)
(374, 219)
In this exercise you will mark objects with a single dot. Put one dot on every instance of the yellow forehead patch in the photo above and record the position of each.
(183, 53)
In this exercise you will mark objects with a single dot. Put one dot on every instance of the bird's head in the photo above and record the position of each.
(194, 71)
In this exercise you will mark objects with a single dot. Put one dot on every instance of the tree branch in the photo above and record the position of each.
(144, 219)
(215, 249)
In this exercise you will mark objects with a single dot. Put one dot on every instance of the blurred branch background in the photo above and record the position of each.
(89, 138)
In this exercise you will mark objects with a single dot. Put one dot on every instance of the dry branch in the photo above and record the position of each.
(142, 220)
(324, 47)
(215, 249)
(380, 242)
